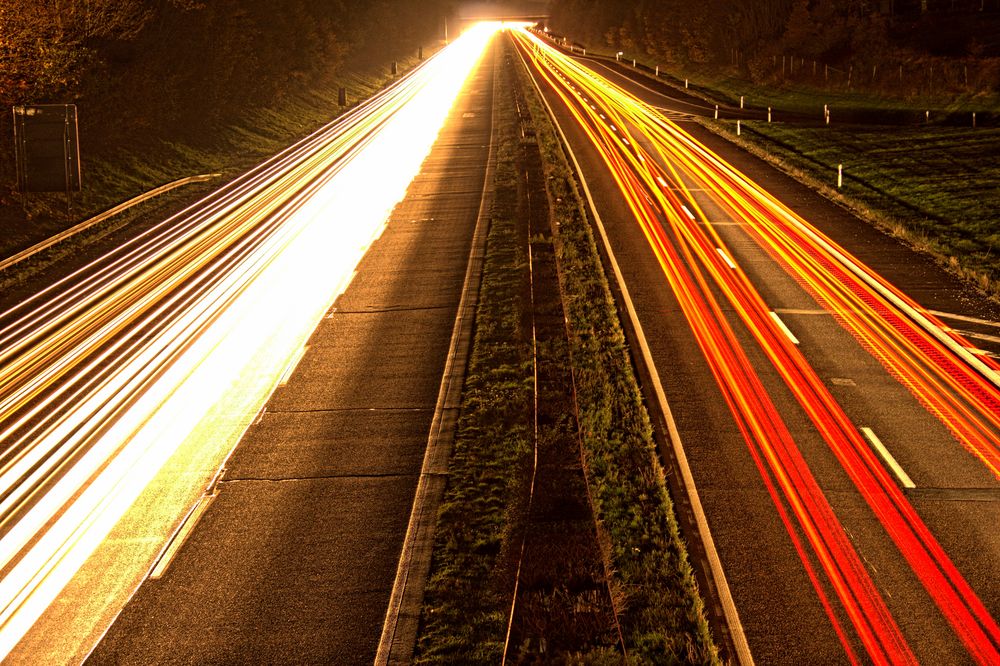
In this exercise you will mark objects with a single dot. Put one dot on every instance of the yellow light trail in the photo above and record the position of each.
(104, 374)
(955, 385)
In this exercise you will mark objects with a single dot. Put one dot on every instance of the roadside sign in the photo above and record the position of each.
(47, 142)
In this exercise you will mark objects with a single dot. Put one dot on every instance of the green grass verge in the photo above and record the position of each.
(934, 187)
(725, 86)
(801, 95)
(468, 595)
(653, 585)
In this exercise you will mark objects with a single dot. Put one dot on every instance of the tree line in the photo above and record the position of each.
(143, 63)
(746, 33)
(174, 69)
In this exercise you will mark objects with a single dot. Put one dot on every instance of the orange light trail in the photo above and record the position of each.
(956, 386)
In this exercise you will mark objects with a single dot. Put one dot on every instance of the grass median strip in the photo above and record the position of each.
(661, 611)
(652, 584)
(464, 618)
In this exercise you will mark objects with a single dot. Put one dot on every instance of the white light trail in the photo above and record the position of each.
(234, 286)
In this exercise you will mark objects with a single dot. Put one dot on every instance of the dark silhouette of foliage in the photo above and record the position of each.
(739, 31)
(149, 70)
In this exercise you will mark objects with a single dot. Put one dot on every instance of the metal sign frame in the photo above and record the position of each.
(42, 165)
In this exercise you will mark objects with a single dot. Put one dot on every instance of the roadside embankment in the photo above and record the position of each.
(922, 169)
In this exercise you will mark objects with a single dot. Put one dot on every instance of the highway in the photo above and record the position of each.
(212, 434)
(171, 344)
(845, 439)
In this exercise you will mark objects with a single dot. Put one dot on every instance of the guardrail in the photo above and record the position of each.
(97, 219)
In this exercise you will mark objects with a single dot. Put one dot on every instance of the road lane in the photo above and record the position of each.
(835, 491)
(421, 251)
(295, 558)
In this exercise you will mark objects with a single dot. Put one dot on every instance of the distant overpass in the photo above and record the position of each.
(510, 10)
(505, 17)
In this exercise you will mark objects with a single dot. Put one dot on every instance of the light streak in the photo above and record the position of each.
(106, 373)
(953, 384)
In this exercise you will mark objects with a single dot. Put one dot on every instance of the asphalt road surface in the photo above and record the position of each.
(294, 559)
(956, 495)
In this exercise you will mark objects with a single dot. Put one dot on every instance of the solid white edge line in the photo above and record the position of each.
(735, 626)
(725, 257)
(181, 536)
(787, 331)
(293, 363)
(903, 477)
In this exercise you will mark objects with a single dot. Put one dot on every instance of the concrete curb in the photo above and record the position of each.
(402, 620)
